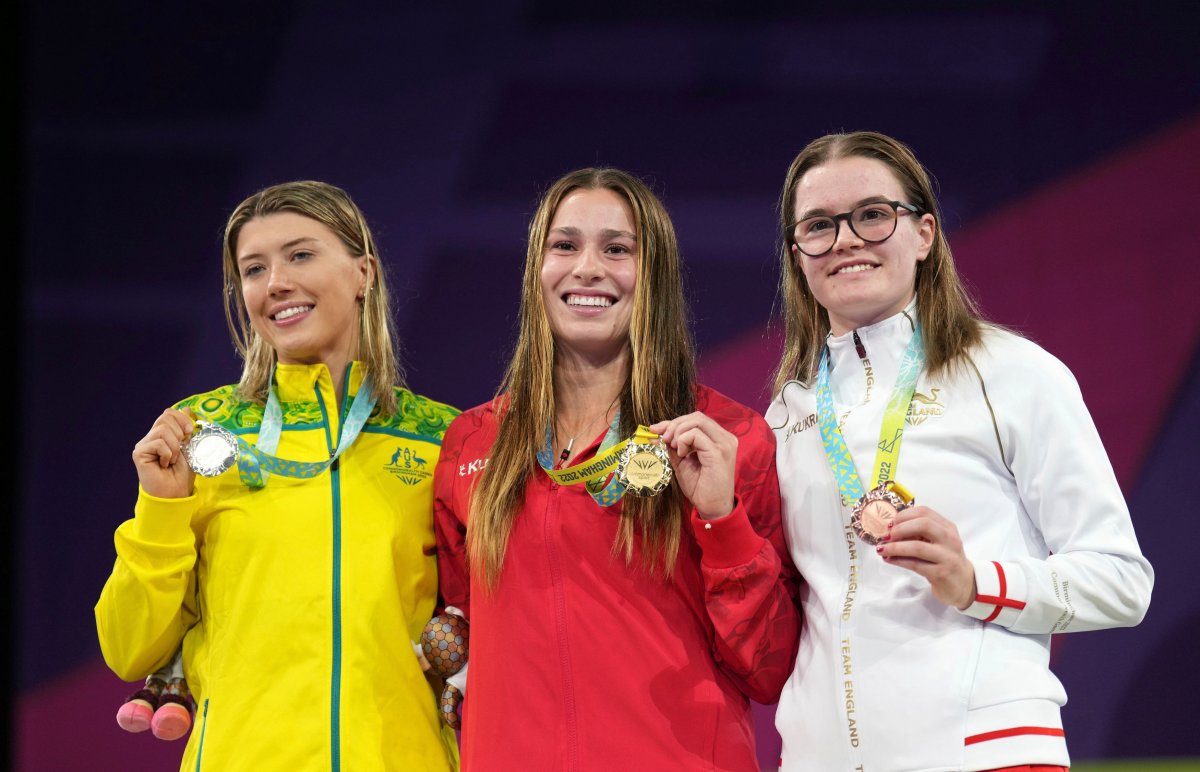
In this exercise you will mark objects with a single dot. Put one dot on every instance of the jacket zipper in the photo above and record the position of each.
(560, 621)
(203, 728)
(335, 689)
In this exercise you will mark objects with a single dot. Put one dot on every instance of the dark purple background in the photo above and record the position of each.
(1066, 141)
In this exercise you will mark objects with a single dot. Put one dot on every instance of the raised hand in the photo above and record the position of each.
(162, 469)
(704, 455)
(921, 540)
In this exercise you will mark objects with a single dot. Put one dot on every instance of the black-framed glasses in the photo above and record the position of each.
(873, 223)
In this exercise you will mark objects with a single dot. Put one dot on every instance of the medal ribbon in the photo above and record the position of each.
(850, 487)
(597, 473)
(257, 464)
(887, 454)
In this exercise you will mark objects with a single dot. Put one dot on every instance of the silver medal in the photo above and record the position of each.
(212, 450)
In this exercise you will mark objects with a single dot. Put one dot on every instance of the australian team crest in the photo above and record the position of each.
(408, 466)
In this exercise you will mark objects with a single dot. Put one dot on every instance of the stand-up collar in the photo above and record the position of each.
(295, 383)
(884, 343)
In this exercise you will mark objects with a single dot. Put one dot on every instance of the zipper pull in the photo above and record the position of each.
(859, 347)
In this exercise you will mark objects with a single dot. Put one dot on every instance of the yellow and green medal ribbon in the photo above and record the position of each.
(597, 474)
(887, 455)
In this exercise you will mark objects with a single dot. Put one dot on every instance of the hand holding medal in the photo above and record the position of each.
(704, 456)
(163, 471)
(924, 542)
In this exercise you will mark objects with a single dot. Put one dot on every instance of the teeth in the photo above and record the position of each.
(589, 300)
(859, 268)
(288, 313)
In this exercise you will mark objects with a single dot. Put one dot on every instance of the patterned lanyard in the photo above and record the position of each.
(888, 452)
(257, 464)
(602, 486)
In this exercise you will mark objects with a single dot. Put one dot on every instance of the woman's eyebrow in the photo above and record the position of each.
(819, 212)
(288, 245)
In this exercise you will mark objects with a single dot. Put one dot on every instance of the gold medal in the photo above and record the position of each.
(877, 508)
(644, 468)
(212, 450)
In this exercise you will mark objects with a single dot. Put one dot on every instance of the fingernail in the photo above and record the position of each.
(890, 524)
(879, 549)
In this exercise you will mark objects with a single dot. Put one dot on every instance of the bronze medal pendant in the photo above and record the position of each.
(875, 510)
(644, 469)
(212, 450)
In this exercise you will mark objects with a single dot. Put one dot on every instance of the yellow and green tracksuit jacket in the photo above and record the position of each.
(296, 602)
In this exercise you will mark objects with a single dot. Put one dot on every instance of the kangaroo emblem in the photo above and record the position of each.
(408, 467)
(409, 457)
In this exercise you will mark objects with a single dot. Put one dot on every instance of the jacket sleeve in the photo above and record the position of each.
(751, 586)
(1095, 575)
(148, 602)
(450, 516)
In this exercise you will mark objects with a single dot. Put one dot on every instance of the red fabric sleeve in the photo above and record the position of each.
(452, 478)
(751, 586)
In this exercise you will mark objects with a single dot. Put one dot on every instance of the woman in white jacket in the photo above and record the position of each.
(946, 496)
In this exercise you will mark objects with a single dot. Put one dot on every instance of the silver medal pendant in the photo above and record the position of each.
(212, 450)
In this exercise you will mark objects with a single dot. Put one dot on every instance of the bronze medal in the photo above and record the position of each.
(212, 450)
(875, 510)
(644, 469)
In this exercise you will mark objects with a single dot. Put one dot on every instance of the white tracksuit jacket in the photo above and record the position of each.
(888, 677)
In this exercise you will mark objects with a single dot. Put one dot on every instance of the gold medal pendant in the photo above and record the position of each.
(877, 508)
(644, 468)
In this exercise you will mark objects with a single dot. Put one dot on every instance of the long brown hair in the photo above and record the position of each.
(332, 207)
(659, 383)
(950, 319)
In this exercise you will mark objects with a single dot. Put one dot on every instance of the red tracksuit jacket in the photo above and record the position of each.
(580, 661)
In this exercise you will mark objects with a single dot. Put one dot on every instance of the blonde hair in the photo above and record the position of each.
(333, 208)
(660, 382)
(950, 319)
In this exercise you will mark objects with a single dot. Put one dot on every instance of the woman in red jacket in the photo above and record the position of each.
(612, 630)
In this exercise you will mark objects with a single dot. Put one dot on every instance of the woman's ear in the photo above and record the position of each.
(368, 276)
(927, 231)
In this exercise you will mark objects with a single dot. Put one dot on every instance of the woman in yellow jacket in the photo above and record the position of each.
(296, 570)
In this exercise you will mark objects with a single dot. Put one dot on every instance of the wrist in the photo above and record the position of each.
(718, 512)
(965, 601)
(165, 492)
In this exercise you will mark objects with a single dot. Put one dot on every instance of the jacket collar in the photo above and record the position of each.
(296, 383)
(883, 343)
